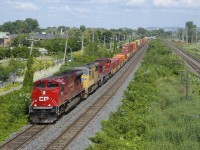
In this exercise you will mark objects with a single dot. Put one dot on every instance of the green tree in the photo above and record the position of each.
(55, 46)
(107, 35)
(8, 53)
(20, 40)
(64, 28)
(8, 27)
(2, 52)
(4, 74)
(21, 27)
(15, 68)
(82, 28)
(28, 79)
(20, 52)
(91, 49)
(32, 23)
(180, 33)
(142, 32)
(191, 28)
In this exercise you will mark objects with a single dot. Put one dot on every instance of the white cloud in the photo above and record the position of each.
(81, 10)
(108, 1)
(129, 2)
(69, 9)
(135, 2)
(51, 1)
(22, 5)
(65, 8)
(177, 3)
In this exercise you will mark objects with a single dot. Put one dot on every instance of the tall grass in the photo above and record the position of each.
(155, 114)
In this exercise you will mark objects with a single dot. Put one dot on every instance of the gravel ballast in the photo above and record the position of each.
(94, 126)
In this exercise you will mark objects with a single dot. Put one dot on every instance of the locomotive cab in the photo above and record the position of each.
(45, 100)
(54, 95)
(104, 69)
(45, 93)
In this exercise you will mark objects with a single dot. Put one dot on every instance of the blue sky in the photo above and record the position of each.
(103, 13)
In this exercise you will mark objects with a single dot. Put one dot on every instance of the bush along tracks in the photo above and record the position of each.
(14, 106)
(155, 113)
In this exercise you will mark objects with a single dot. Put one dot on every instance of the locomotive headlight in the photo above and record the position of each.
(49, 105)
(35, 105)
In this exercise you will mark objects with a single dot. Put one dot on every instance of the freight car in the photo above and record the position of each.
(57, 94)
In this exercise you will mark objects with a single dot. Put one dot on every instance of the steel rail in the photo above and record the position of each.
(72, 131)
(24, 137)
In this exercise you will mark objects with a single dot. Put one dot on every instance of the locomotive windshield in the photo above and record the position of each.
(52, 85)
(40, 85)
(46, 85)
(85, 72)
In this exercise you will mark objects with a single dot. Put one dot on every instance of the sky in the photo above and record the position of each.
(103, 13)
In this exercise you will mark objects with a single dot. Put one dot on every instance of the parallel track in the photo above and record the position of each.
(72, 131)
(23, 138)
(190, 59)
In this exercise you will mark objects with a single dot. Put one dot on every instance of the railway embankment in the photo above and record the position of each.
(160, 108)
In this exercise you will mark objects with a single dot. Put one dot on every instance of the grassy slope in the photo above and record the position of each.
(13, 112)
(192, 48)
(154, 113)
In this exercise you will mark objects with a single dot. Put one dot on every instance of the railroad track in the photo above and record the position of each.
(190, 59)
(72, 131)
(24, 137)
(34, 131)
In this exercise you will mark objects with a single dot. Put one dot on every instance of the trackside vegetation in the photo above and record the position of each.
(15, 105)
(155, 113)
(91, 53)
(13, 112)
(192, 48)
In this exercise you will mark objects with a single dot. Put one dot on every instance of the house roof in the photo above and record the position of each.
(4, 34)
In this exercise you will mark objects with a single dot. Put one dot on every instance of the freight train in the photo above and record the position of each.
(55, 95)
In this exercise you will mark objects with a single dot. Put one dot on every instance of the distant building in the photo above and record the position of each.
(5, 38)
(43, 51)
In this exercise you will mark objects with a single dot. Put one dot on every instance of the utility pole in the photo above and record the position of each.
(70, 54)
(32, 40)
(93, 36)
(82, 44)
(187, 84)
(183, 35)
(65, 49)
(186, 34)
(104, 40)
(196, 35)
(111, 44)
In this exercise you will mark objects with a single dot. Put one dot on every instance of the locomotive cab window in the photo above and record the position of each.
(40, 85)
(52, 85)
(85, 72)
(101, 68)
(61, 87)
(78, 81)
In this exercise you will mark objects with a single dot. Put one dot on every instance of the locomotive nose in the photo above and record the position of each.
(45, 98)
